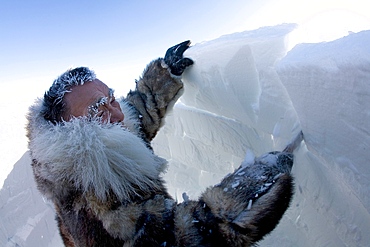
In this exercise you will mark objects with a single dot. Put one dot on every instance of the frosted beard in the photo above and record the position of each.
(93, 157)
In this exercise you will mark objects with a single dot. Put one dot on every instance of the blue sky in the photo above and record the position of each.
(42, 36)
(40, 39)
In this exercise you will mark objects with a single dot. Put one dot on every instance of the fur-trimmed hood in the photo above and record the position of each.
(93, 157)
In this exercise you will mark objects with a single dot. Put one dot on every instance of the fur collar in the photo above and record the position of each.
(93, 157)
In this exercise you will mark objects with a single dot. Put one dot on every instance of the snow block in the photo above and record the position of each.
(329, 85)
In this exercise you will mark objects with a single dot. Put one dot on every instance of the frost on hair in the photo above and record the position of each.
(53, 105)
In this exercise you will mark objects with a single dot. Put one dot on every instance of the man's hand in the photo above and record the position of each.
(175, 60)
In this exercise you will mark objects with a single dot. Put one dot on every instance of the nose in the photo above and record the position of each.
(116, 115)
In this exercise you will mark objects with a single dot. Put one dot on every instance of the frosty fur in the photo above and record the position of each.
(95, 158)
(53, 104)
(154, 97)
(106, 186)
(62, 84)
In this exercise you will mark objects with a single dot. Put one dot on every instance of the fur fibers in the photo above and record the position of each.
(94, 157)
(154, 97)
(106, 186)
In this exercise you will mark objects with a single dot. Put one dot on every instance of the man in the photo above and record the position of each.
(91, 156)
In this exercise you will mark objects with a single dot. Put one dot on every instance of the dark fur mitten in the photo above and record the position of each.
(159, 88)
(243, 208)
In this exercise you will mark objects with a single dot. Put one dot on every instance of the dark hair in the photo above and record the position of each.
(53, 104)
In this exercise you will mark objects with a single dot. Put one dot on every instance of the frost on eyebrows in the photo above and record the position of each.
(93, 109)
(53, 105)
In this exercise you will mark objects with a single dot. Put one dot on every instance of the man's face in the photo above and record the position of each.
(93, 99)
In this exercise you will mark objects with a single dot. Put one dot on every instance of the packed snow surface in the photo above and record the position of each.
(245, 96)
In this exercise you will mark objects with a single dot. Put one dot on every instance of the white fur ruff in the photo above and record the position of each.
(93, 157)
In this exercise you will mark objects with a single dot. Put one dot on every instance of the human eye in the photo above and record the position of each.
(97, 108)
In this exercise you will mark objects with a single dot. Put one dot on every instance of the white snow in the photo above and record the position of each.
(248, 159)
(247, 95)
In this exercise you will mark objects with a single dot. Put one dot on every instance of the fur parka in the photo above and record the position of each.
(105, 181)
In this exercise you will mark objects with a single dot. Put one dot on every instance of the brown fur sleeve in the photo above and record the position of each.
(242, 209)
(156, 92)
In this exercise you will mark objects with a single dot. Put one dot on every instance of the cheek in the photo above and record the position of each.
(75, 111)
